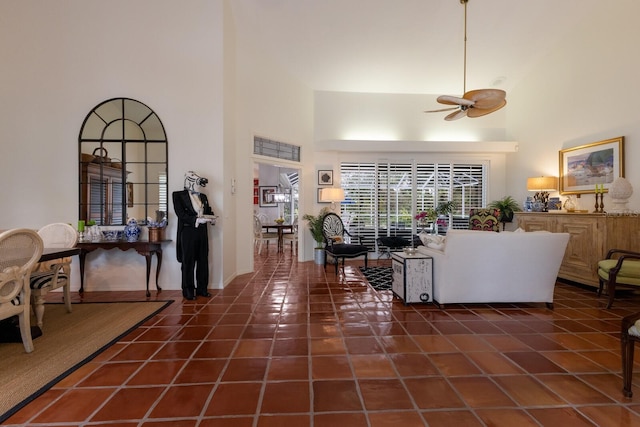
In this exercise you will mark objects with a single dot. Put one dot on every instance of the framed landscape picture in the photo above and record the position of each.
(584, 167)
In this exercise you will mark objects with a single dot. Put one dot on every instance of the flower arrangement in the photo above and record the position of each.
(428, 215)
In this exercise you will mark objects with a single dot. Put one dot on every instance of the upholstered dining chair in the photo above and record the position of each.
(55, 274)
(20, 250)
(620, 268)
(334, 240)
(484, 219)
(629, 335)
(260, 237)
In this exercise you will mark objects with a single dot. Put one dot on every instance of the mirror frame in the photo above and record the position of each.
(106, 195)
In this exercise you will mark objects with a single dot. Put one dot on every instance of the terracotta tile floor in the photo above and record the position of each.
(293, 345)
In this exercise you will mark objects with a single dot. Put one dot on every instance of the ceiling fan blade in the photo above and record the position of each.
(454, 100)
(456, 115)
(486, 98)
(441, 110)
(479, 112)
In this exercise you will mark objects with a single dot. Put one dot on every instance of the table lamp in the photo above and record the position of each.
(332, 195)
(542, 185)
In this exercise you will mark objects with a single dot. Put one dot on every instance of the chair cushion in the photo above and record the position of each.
(629, 273)
(345, 249)
(40, 280)
(634, 330)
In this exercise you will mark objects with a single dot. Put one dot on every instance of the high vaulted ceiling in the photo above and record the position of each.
(408, 46)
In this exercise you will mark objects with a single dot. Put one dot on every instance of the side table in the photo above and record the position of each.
(142, 247)
(412, 277)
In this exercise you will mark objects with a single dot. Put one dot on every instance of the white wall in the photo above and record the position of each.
(396, 117)
(273, 105)
(583, 91)
(370, 127)
(62, 58)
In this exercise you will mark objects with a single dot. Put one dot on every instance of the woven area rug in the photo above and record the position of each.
(69, 340)
(378, 277)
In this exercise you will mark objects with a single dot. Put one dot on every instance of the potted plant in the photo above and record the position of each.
(447, 208)
(314, 222)
(507, 206)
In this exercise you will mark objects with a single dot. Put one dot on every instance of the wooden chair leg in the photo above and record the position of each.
(611, 289)
(38, 308)
(67, 295)
(600, 287)
(627, 345)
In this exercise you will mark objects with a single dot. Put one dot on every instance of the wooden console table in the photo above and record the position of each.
(143, 247)
(591, 235)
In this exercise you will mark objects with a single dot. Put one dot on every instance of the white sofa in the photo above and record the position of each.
(488, 267)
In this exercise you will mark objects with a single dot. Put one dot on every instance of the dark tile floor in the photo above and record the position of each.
(293, 345)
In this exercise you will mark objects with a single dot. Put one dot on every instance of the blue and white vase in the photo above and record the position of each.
(132, 230)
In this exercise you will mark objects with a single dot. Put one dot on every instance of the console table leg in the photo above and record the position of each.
(148, 258)
(158, 265)
(81, 257)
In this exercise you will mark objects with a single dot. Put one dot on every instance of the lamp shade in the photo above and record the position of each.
(331, 195)
(542, 183)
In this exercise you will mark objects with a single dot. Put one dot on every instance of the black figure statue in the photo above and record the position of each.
(192, 245)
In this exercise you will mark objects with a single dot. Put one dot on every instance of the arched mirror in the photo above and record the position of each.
(123, 164)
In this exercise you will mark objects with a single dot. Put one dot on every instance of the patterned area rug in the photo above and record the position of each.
(378, 277)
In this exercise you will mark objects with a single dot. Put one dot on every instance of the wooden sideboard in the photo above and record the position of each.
(591, 236)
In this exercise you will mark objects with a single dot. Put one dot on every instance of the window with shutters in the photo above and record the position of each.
(103, 198)
(382, 198)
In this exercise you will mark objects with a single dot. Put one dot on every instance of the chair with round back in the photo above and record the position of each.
(20, 250)
(260, 237)
(50, 275)
(334, 241)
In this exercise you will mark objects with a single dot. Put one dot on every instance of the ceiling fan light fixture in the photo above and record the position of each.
(475, 103)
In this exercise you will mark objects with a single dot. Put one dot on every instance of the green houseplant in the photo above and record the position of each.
(314, 222)
(507, 206)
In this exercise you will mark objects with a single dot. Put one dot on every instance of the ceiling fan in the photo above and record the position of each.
(475, 103)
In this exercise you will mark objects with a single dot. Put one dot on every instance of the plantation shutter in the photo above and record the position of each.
(380, 196)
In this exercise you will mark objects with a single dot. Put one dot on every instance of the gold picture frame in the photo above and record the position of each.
(585, 166)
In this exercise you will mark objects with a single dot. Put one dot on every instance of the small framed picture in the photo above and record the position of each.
(325, 177)
(266, 196)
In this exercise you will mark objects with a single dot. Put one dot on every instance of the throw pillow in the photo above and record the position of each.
(431, 241)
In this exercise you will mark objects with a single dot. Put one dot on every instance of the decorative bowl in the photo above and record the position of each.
(279, 221)
(410, 251)
(112, 235)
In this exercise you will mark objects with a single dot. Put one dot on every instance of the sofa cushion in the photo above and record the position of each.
(433, 241)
